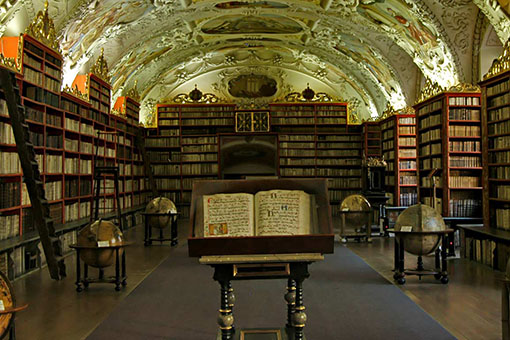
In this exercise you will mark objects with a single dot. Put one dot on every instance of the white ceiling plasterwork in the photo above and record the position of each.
(372, 51)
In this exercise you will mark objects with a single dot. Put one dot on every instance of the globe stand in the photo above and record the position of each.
(120, 267)
(440, 271)
(148, 229)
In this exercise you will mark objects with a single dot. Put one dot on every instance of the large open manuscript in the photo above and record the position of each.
(273, 212)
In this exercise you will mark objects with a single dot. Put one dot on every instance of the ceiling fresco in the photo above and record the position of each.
(370, 52)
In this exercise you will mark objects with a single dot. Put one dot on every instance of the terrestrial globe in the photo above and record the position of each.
(358, 208)
(160, 205)
(421, 218)
(99, 231)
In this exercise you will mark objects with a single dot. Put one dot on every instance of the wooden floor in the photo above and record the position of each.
(469, 306)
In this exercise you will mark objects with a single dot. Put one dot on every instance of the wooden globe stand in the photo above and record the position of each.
(148, 229)
(440, 271)
(7, 315)
(120, 267)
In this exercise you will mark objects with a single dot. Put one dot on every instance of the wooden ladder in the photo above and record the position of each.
(140, 141)
(41, 210)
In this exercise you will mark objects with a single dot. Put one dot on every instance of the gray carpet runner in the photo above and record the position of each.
(344, 299)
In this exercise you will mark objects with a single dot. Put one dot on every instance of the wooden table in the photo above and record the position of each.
(293, 267)
(440, 271)
(120, 267)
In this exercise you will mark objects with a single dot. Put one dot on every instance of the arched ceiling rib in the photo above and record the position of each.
(370, 51)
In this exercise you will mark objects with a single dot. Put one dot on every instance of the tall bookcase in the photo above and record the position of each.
(372, 139)
(399, 152)
(449, 143)
(184, 147)
(496, 150)
(63, 128)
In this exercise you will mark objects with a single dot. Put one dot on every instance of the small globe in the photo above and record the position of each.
(420, 217)
(160, 205)
(99, 231)
(355, 203)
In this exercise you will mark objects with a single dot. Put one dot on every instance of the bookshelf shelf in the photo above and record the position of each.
(450, 143)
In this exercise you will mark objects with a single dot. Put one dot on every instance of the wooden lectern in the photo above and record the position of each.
(262, 257)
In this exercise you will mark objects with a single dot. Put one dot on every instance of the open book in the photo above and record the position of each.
(273, 212)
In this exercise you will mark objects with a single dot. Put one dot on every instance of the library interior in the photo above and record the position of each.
(243, 170)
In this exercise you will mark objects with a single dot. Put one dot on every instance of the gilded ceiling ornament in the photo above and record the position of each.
(374, 162)
(133, 92)
(43, 30)
(430, 90)
(14, 64)
(408, 110)
(76, 93)
(390, 111)
(192, 97)
(100, 68)
(464, 87)
(501, 64)
(352, 116)
(307, 95)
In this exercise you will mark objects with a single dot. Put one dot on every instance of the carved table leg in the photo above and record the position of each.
(395, 258)
(79, 287)
(225, 318)
(124, 277)
(437, 259)
(401, 265)
(290, 297)
(117, 269)
(231, 301)
(299, 316)
(444, 264)
(174, 232)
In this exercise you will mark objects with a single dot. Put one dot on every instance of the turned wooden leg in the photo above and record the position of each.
(290, 297)
(117, 269)
(225, 318)
(174, 232)
(231, 301)
(146, 235)
(444, 263)
(124, 276)
(79, 287)
(401, 265)
(395, 257)
(299, 316)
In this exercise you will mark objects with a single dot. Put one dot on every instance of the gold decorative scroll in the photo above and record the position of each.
(501, 64)
(43, 30)
(465, 87)
(252, 121)
(73, 91)
(429, 90)
(390, 111)
(151, 121)
(352, 116)
(408, 110)
(207, 98)
(100, 68)
(375, 161)
(133, 92)
(319, 97)
(15, 63)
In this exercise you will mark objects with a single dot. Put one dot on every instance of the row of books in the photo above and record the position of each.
(502, 218)
(407, 120)
(464, 130)
(53, 190)
(71, 212)
(199, 157)
(199, 140)
(409, 198)
(207, 122)
(503, 192)
(168, 183)
(325, 172)
(434, 106)
(166, 169)
(406, 130)
(71, 144)
(430, 121)
(338, 145)
(389, 180)
(482, 251)
(168, 122)
(437, 204)
(388, 125)
(297, 138)
(42, 96)
(297, 161)
(430, 149)
(406, 178)
(499, 113)
(464, 181)
(464, 114)
(497, 88)
(199, 168)
(428, 182)
(297, 145)
(407, 164)
(56, 212)
(430, 135)
(340, 195)
(54, 120)
(341, 161)
(388, 134)
(464, 101)
(161, 142)
(73, 125)
(499, 172)
(499, 157)
(465, 161)
(33, 76)
(30, 113)
(389, 155)
(407, 153)
(332, 120)
(388, 145)
(6, 134)
(297, 152)
(29, 60)
(289, 172)
(292, 121)
(200, 148)
(336, 153)
(54, 141)
(36, 138)
(10, 163)
(499, 100)
(466, 146)
(390, 166)
(499, 128)
(431, 163)
(407, 141)
(52, 84)
(338, 138)
(465, 207)
(9, 194)
(346, 182)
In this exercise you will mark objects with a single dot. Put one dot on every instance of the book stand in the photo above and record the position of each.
(120, 268)
(440, 271)
(148, 229)
(262, 257)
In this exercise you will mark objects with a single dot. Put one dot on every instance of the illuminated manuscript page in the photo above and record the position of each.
(282, 212)
(228, 215)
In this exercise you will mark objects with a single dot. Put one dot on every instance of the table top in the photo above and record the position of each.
(261, 258)
(116, 245)
(431, 232)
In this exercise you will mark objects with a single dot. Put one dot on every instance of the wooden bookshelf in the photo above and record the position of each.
(496, 150)
(63, 128)
(398, 136)
(372, 139)
(449, 140)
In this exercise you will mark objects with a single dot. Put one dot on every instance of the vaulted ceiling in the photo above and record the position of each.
(370, 52)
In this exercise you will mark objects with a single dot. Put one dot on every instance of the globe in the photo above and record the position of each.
(355, 203)
(420, 217)
(99, 231)
(160, 205)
